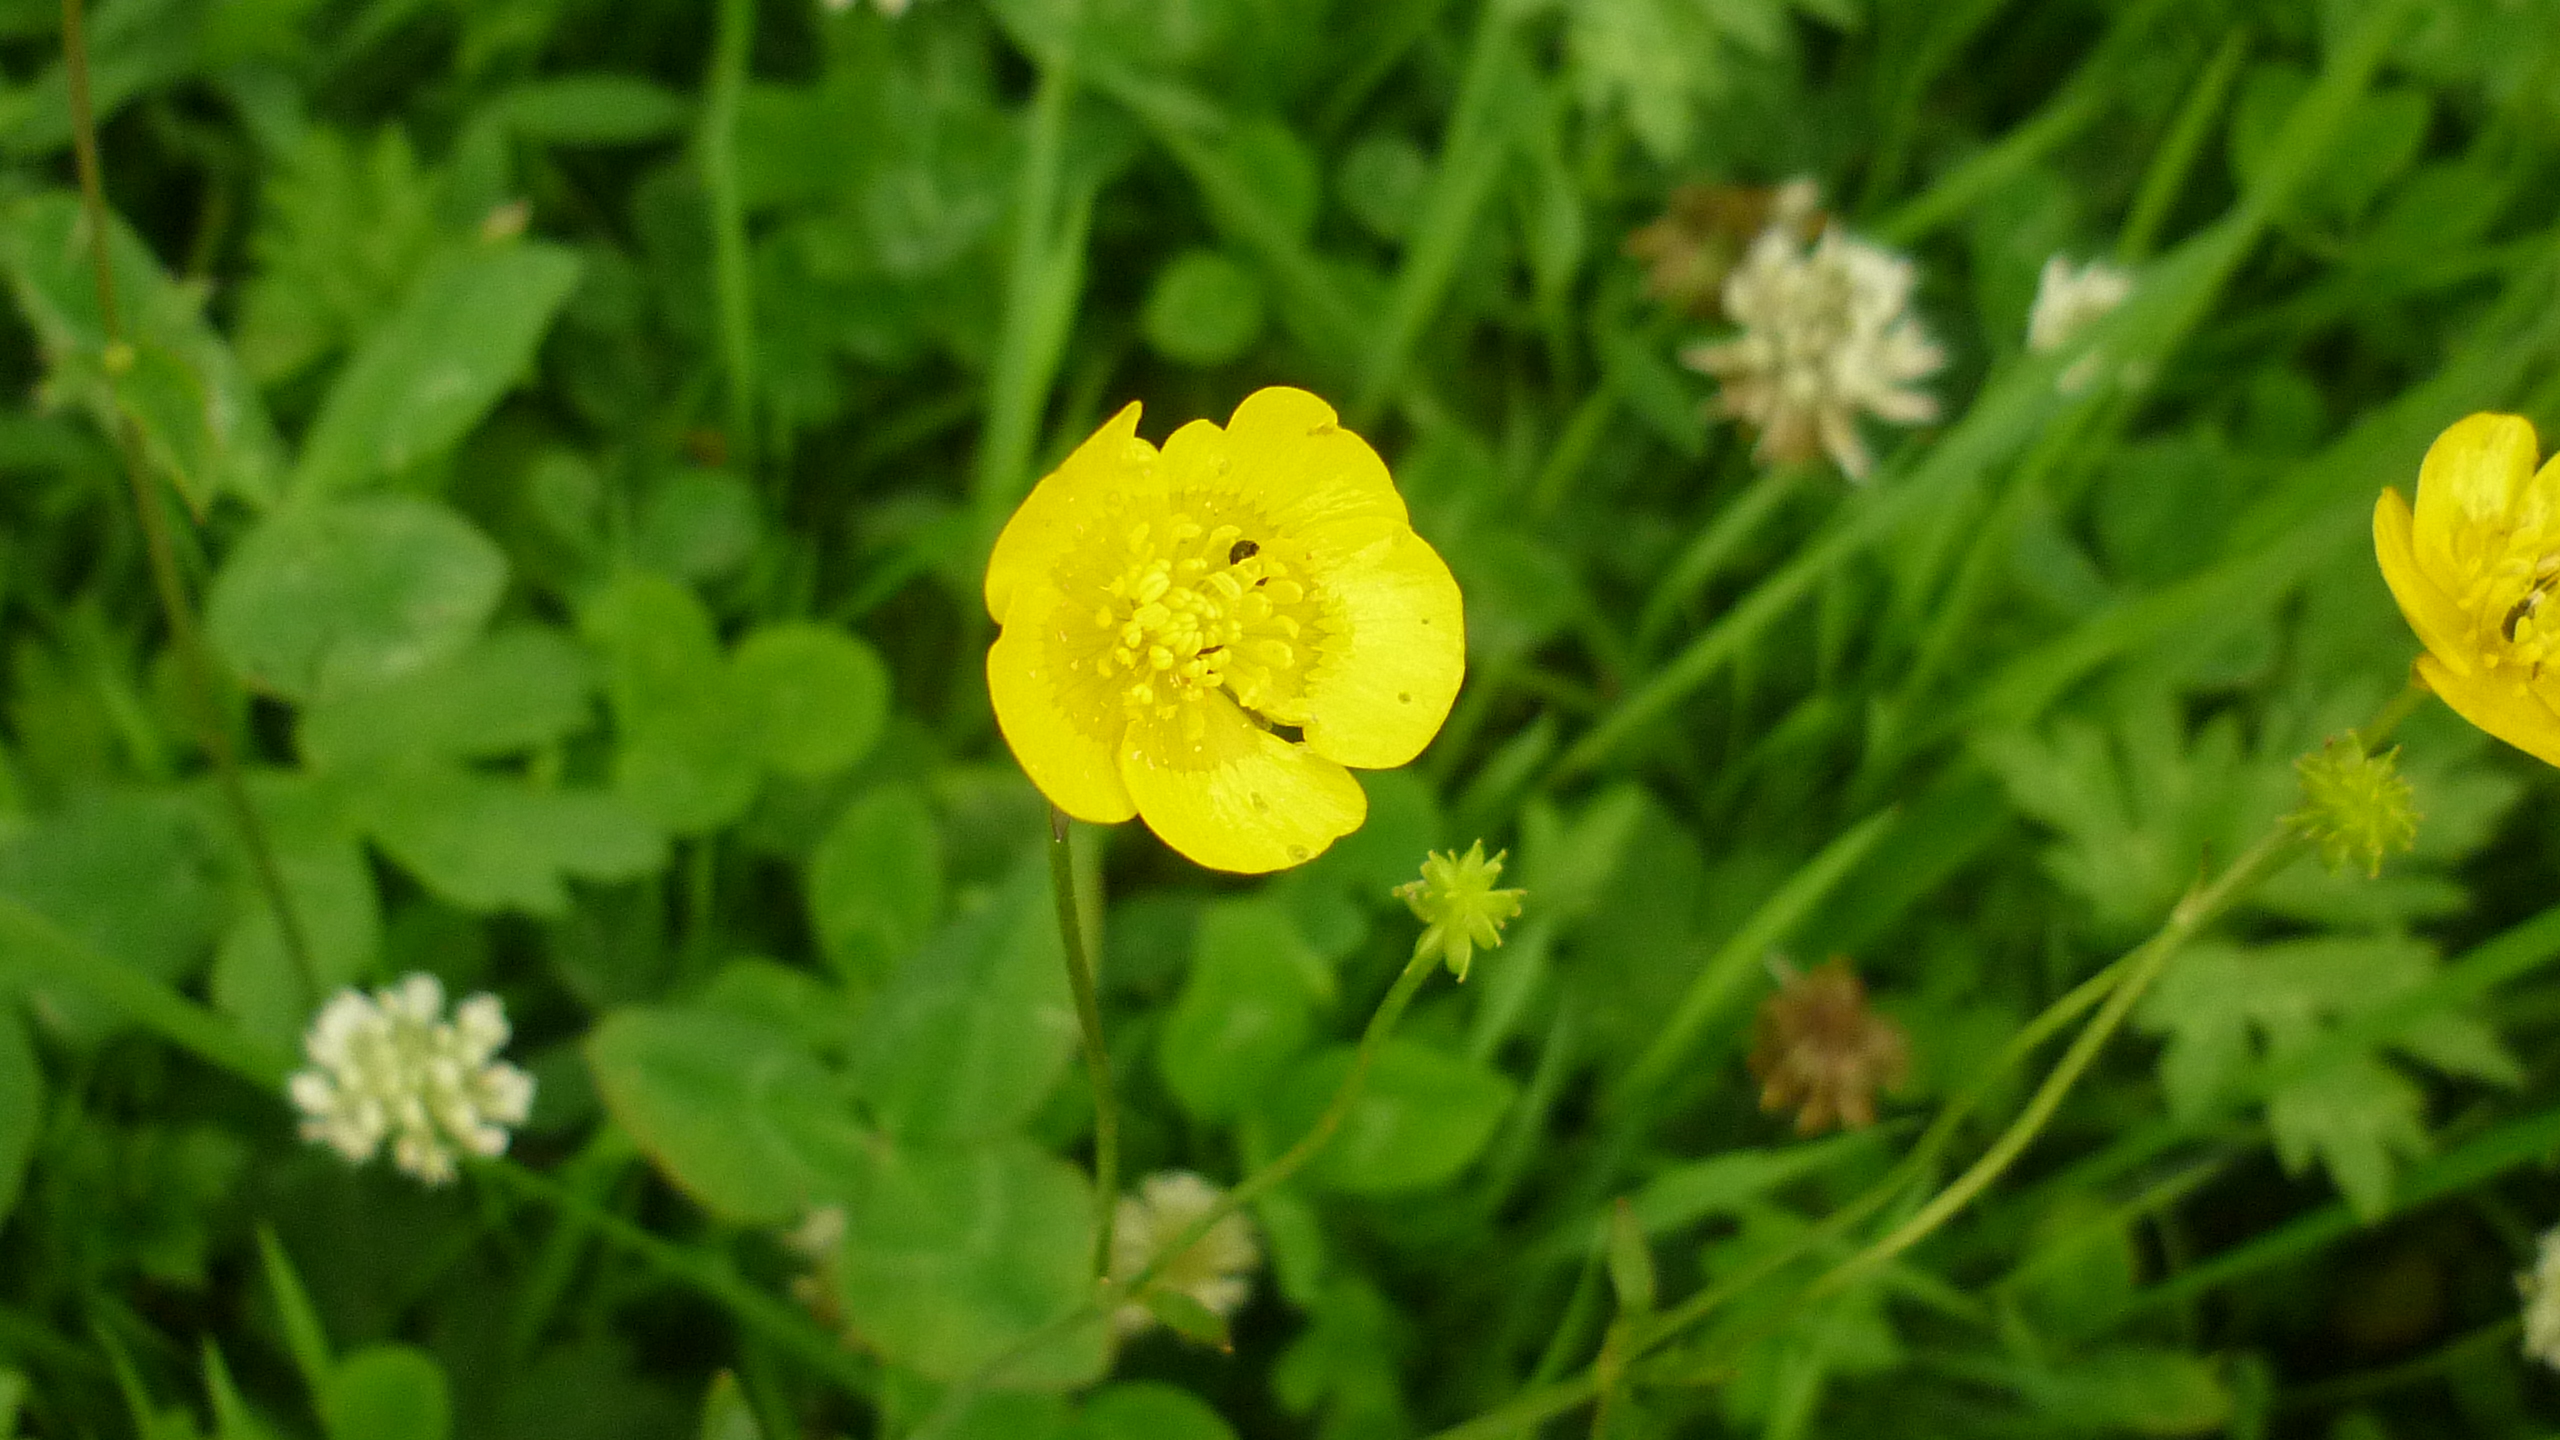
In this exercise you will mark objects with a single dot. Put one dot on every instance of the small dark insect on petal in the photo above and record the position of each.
(1242, 551)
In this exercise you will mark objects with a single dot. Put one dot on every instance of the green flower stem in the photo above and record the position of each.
(1097, 1060)
(2122, 985)
(2112, 992)
(1276, 1174)
(2142, 967)
(956, 1400)
(166, 582)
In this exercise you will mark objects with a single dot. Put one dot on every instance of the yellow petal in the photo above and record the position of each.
(1058, 512)
(1235, 796)
(2491, 702)
(1384, 682)
(2441, 625)
(1065, 729)
(1284, 453)
(2473, 476)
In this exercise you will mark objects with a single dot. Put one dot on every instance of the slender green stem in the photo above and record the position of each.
(2113, 992)
(731, 273)
(956, 1400)
(2145, 966)
(2176, 157)
(759, 1312)
(2124, 984)
(170, 586)
(1276, 1174)
(1097, 1060)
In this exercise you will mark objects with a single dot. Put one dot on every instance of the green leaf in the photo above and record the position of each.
(1178, 1312)
(345, 227)
(1381, 181)
(592, 109)
(387, 1392)
(329, 884)
(816, 697)
(953, 1257)
(726, 1415)
(686, 757)
(1346, 1362)
(2137, 799)
(465, 332)
(1281, 168)
(21, 1108)
(2144, 1389)
(138, 875)
(970, 1033)
(1148, 1410)
(304, 1338)
(1005, 1415)
(2359, 1119)
(489, 844)
(796, 1002)
(1421, 1117)
(875, 883)
(2225, 1009)
(733, 1110)
(1204, 309)
(232, 1417)
(202, 424)
(352, 593)
(510, 691)
(697, 525)
(2379, 138)
(1655, 61)
(1246, 1011)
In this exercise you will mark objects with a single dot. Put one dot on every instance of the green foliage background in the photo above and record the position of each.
(583, 424)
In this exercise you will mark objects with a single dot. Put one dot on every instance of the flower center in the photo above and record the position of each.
(2529, 624)
(1188, 607)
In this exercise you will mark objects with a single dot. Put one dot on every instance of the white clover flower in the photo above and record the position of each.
(2540, 1287)
(1826, 333)
(2068, 301)
(1213, 1271)
(392, 1067)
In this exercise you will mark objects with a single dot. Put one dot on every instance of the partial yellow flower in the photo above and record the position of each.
(2474, 569)
(1166, 614)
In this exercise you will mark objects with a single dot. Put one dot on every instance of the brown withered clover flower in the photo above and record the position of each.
(1819, 1050)
(1705, 230)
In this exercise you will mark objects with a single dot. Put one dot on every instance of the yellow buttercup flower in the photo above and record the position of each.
(1166, 614)
(2474, 569)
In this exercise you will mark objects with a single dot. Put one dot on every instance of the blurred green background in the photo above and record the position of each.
(579, 427)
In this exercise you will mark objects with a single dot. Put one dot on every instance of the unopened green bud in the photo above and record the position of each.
(2355, 806)
(1458, 906)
